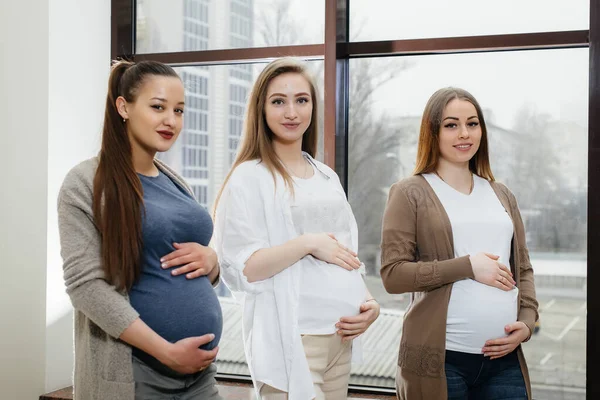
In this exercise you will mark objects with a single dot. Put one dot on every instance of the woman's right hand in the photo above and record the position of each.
(489, 271)
(325, 247)
(185, 356)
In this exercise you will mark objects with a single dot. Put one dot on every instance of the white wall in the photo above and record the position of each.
(54, 70)
(23, 206)
(79, 65)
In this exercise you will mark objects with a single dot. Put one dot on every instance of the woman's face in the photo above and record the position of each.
(288, 107)
(460, 132)
(155, 118)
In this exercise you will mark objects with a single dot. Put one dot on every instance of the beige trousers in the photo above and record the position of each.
(329, 361)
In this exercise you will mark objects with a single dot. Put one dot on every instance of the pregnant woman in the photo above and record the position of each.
(287, 239)
(125, 219)
(454, 238)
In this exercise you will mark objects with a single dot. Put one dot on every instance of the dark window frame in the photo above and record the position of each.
(337, 50)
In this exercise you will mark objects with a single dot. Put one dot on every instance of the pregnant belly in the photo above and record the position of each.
(179, 308)
(477, 313)
(327, 293)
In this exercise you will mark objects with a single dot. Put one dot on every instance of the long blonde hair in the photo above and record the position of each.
(257, 138)
(428, 152)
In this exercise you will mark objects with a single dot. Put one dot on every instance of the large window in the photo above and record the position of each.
(537, 135)
(188, 25)
(393, 19)
(527, 62)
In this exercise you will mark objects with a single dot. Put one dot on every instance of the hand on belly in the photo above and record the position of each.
(477, 313)
(516, 333)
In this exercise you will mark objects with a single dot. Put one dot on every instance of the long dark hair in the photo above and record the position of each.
(118, 194)
(428, 152)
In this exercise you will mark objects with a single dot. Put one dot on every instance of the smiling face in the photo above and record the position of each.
(460, 132)
(155, 117)
(288, 107)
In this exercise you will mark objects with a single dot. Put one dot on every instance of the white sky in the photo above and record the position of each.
(410, 19)
(554, 82)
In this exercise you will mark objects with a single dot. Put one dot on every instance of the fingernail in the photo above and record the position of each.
(175, 272)
(162, 259)
(188, 276)
(164, 265)
(212, 336)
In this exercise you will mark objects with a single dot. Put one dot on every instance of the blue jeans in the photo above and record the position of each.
(475, 377)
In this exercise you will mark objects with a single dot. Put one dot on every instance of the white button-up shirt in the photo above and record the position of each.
(254, 213)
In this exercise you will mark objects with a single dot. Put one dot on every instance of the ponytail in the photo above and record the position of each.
(118, 192)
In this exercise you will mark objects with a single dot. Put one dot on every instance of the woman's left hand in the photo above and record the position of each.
(517, 333)
(351, 327)
(192, 259)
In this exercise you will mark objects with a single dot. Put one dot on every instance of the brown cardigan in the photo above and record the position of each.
(417, 255)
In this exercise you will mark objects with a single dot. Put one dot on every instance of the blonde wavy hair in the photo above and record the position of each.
(257, 138)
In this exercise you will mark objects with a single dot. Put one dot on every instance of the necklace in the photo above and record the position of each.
(293, 173)
(472, 181)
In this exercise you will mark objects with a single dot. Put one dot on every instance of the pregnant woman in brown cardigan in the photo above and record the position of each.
(454, 239)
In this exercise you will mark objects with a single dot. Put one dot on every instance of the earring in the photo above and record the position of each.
(124, 120)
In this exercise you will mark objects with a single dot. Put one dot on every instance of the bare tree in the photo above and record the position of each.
(373, 159)
(554, 211)
(277, 26)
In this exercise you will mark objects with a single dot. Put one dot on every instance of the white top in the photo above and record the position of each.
(477, 312)
(254, 213)
(327, 291)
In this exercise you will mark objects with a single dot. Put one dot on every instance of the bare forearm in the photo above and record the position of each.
(270, 261)
(140, 335)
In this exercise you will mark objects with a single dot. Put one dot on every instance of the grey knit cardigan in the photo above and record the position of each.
(103, 365)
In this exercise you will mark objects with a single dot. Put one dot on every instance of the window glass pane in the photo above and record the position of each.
(216, 99)
(392, 19)
(535, 105)
(190, 25)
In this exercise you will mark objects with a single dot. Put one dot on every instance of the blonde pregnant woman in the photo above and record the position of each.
(287, 239)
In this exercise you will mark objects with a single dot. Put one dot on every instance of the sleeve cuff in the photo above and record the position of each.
(233, 272)
(456, 269)
(528, 317)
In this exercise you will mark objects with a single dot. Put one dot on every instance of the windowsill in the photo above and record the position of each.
(227, 389)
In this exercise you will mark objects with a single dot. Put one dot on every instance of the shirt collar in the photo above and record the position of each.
(314, 164)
